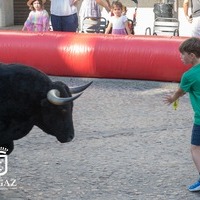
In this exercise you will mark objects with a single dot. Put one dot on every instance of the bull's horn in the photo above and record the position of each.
(75, 90)
(53, 97)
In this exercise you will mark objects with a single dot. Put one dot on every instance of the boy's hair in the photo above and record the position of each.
(117, 3)
(191, 45)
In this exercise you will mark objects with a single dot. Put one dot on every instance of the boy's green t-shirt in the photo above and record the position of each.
(190, 82)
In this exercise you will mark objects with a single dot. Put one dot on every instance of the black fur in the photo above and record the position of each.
(23, 104)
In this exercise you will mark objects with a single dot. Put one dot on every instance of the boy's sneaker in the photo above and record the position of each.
(195, 187)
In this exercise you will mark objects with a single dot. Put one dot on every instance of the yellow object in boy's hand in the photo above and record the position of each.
(175, 104)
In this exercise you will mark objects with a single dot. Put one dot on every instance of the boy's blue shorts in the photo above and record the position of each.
(195, 138)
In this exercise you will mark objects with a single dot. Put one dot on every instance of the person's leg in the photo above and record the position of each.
(81, 24)
(70, 23)
(195, 151)
(195, 32)
(56, 23)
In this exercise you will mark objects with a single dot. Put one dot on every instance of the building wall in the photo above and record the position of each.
(21, 11)
(15, 12)
(149, 3)
(6, 13)
(145, 16)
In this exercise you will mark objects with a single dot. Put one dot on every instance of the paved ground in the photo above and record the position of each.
(128, 146)
(14, 27)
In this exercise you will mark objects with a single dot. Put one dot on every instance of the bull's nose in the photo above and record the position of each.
(69, 139)
(65, 139)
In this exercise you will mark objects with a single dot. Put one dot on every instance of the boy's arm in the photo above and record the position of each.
(171, 98)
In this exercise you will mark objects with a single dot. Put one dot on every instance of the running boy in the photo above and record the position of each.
(190, 82)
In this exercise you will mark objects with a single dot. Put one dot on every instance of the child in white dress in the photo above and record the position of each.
(118, 22)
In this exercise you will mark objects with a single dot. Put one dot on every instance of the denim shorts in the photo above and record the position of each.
(195, 138)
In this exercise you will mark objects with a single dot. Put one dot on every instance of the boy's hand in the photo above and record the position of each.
(168, 99)
(171, 98)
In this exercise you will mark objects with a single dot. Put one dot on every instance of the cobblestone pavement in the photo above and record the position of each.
(128, 146)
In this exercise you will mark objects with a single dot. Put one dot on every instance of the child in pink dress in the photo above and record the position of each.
(38, 19)
(118, 22)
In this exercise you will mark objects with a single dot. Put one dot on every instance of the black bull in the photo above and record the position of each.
(28, 97)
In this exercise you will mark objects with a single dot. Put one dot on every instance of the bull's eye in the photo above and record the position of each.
(64, 111)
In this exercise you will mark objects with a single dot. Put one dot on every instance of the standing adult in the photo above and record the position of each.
(194, 18)
(64, 15)
(91, 8)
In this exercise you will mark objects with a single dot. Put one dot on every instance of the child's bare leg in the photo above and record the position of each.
(195, 151)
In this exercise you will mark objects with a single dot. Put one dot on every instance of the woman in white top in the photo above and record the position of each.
(64, 15)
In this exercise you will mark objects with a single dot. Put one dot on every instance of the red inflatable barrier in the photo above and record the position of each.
(95, 55)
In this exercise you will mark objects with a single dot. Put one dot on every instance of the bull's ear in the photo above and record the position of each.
(44, 102)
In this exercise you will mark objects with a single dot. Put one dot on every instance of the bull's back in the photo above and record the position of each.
(19, 78)
(21, 87)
